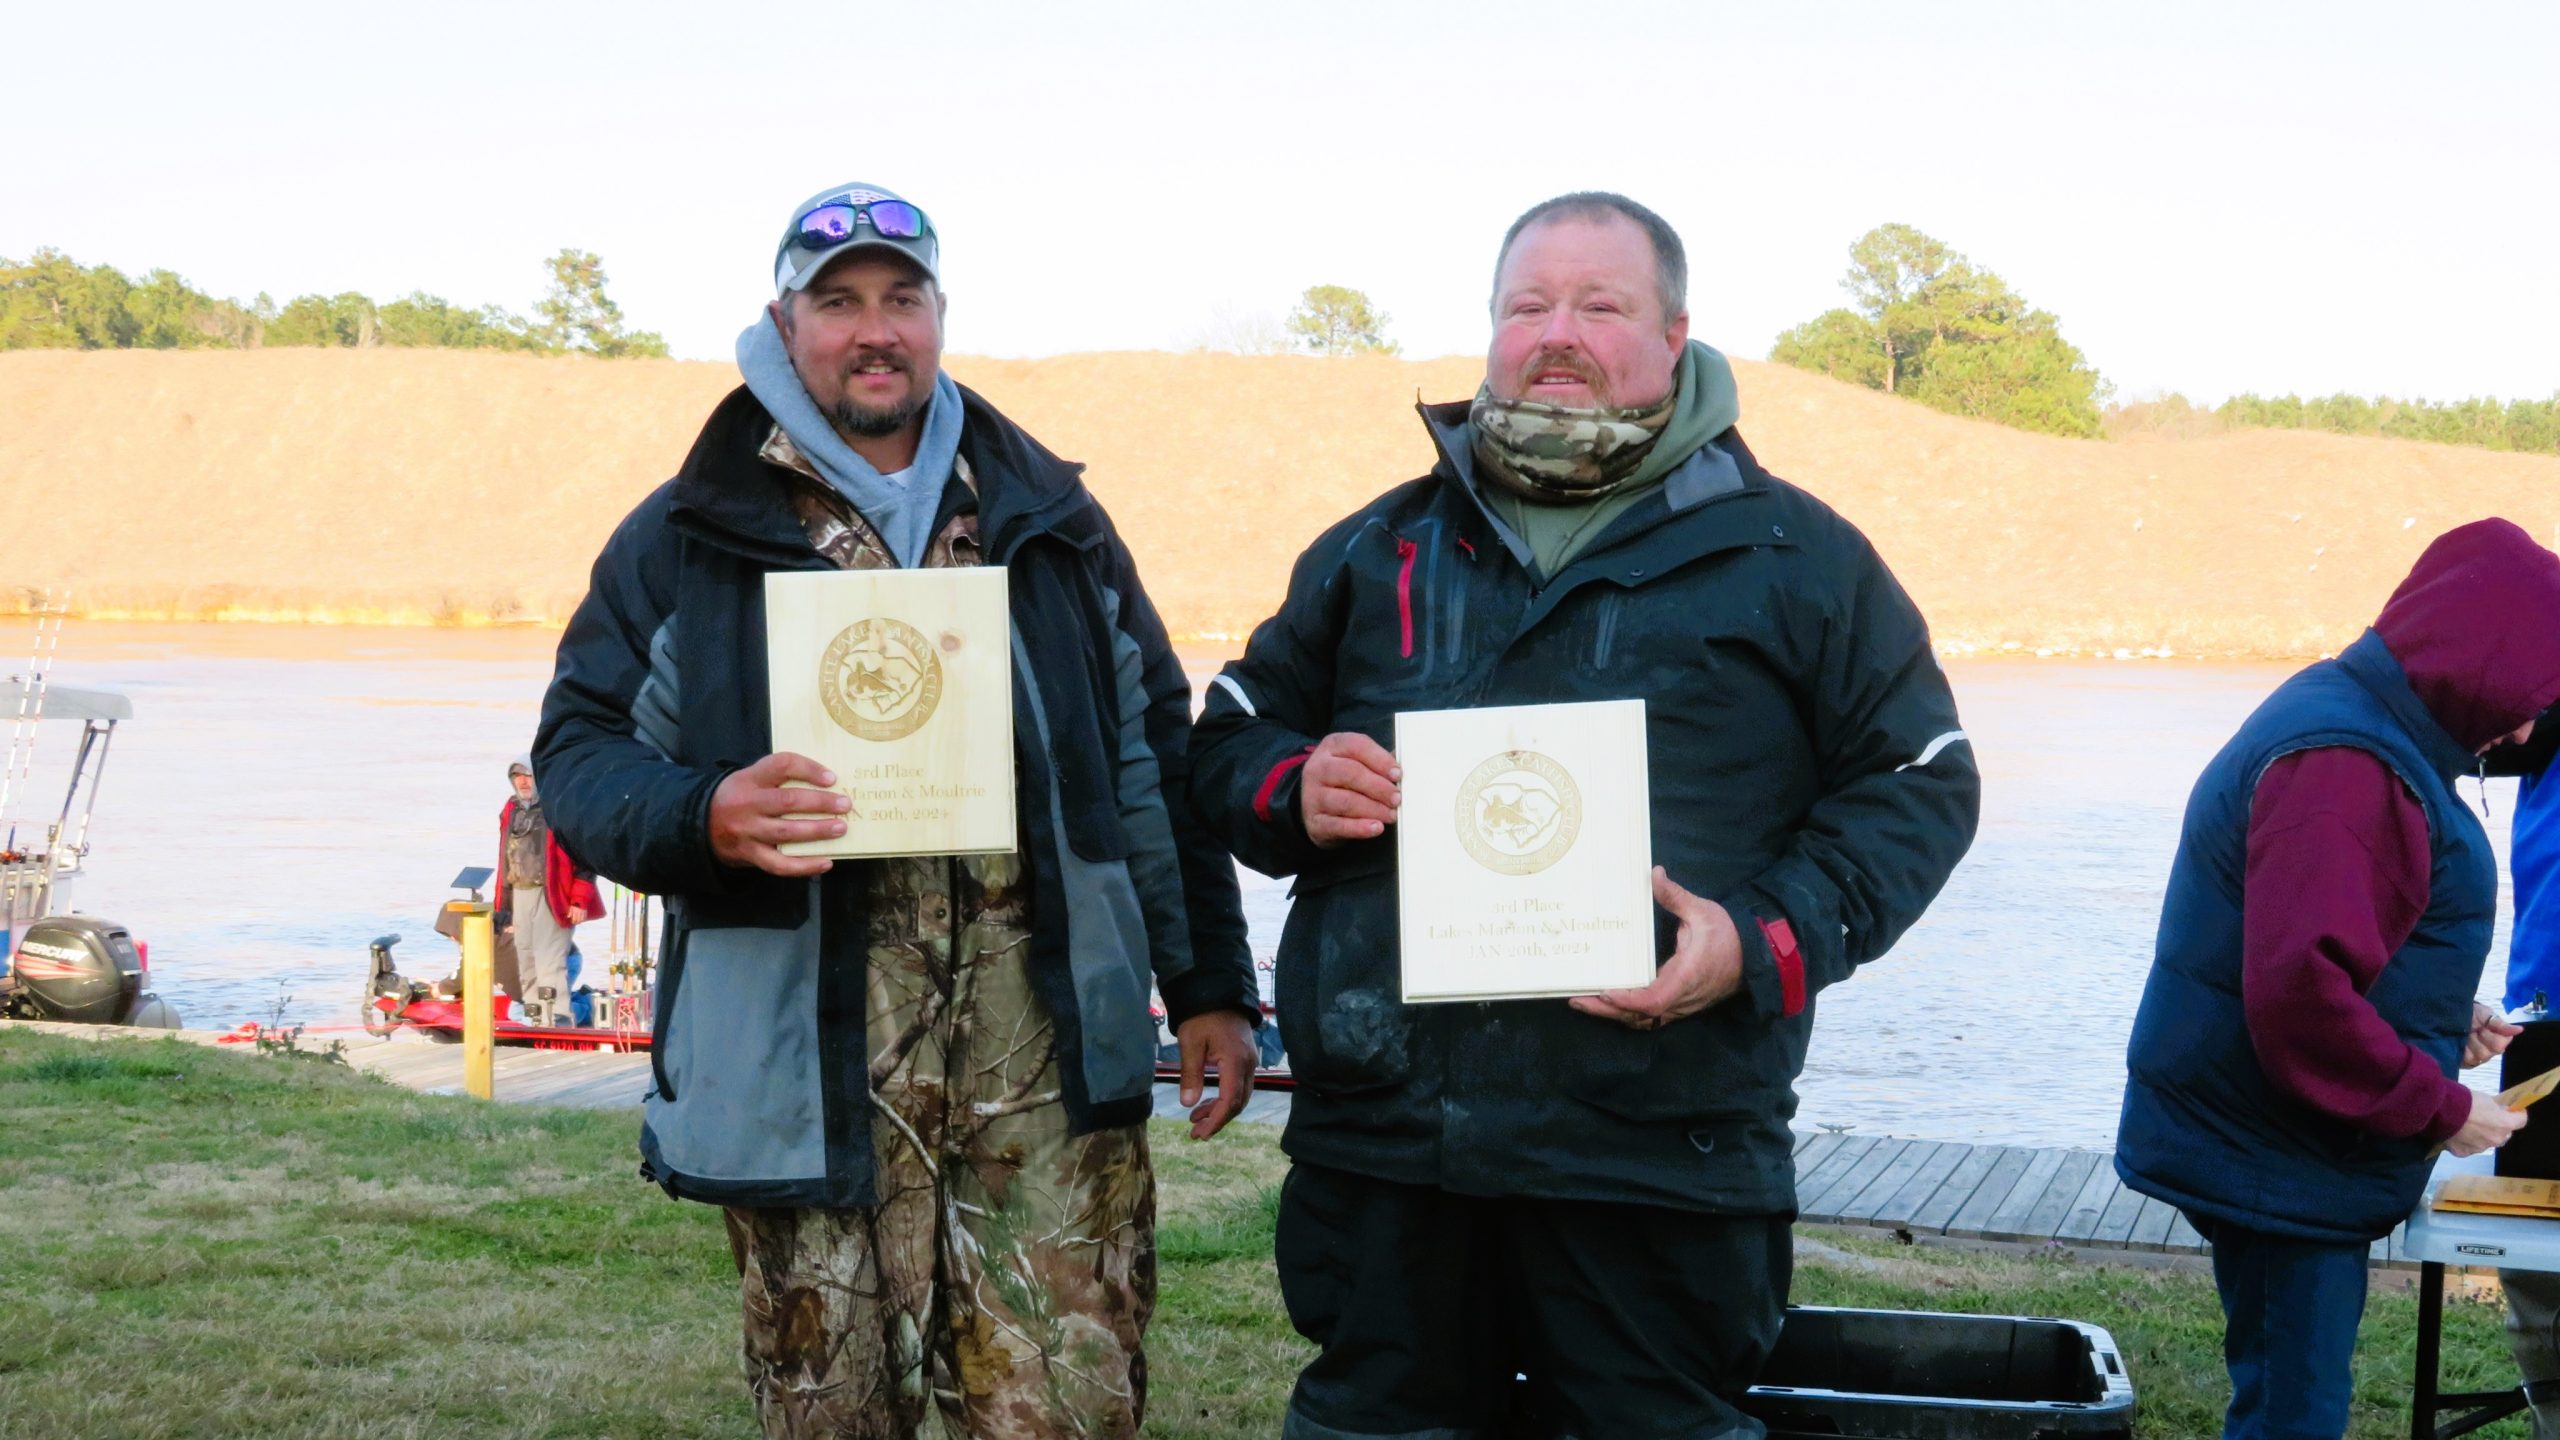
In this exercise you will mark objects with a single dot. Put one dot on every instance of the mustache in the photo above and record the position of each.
(1566, 361)
(890, 358)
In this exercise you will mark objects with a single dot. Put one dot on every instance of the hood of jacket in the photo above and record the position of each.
(2476, 626)
(725, 489)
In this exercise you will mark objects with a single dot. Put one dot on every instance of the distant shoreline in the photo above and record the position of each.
(418, 619)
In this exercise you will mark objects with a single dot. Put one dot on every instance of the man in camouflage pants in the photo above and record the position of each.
(917, 1085)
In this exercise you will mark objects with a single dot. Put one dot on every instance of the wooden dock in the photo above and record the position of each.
(590, 1079)
(1998, 1194)
(1922, 1189)
(586, 1079)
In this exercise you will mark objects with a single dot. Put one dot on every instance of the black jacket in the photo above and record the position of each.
(660, 692)
(1806, 765)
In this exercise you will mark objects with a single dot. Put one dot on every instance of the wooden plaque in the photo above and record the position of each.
(901, 682)
(1524, 851)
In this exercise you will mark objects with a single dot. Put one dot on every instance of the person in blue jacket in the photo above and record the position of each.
(2533, 980)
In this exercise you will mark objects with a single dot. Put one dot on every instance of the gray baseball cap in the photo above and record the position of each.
(841, 219)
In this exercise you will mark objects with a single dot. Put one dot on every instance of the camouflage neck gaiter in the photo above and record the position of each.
(1558, 455)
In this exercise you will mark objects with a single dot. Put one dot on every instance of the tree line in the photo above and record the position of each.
(51, 301)
(1928, 324)
(1925, 322)
(2526, 426)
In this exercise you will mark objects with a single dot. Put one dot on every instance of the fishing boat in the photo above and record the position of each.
(59, 964)
(615, 1016)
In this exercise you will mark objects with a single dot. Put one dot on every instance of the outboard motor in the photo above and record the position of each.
(86, 971)
(385, 984)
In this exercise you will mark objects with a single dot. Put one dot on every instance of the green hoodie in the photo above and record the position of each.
(1708, 406)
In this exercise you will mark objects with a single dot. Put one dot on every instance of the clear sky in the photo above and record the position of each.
(2213, 196)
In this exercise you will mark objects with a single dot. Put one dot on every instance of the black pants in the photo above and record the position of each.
(1628, 1322)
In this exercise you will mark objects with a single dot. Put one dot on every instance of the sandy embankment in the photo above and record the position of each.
(444, 487)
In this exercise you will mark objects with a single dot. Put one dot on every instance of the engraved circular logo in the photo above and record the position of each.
(1518, 813)
(880, 679)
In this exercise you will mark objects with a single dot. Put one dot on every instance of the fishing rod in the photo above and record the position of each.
(22, 735)
(627, 961)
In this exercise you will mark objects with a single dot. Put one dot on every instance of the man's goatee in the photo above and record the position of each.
(872, 424)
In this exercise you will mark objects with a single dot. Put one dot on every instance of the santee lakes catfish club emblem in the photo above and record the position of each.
(880, 679)
(1518, 812)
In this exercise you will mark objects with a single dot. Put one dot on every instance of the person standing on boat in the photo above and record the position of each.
(1599, 1193)
(2292, 1068)
(543, 896)
(919, 1085)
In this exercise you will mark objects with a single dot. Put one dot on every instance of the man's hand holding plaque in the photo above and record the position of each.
(753, 813)
(1347, 789)
(1705, 968)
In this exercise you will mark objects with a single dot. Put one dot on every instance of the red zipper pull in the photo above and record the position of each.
(1405, 551)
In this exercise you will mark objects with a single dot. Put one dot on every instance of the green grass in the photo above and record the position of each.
(201, 1243)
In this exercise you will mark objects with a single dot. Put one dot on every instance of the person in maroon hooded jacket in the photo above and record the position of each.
(2294, 1062)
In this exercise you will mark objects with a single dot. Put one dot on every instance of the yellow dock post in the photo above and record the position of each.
(479, 977)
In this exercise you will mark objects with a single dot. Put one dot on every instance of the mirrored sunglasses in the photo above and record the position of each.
(832, 224)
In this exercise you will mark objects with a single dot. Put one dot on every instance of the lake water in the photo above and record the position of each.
(283, 795)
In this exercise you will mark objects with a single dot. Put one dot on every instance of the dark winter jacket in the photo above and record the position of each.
(565, 882)
(2467, 650)
(1807, 771)
(760, 1093)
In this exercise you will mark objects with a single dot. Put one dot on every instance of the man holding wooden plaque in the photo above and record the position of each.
(1597, 708)
(871, 694)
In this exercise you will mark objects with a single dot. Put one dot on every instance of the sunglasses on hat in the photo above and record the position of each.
(832, 224)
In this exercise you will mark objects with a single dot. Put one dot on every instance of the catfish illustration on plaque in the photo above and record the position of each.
(1524, 845)
(901, 682)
